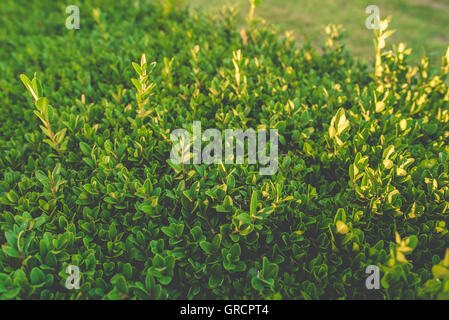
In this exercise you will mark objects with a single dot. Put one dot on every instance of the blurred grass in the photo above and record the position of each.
(421, 24)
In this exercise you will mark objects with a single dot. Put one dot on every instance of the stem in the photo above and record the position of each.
(52, 136)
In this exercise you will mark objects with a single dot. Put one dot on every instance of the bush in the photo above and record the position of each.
(87, 181)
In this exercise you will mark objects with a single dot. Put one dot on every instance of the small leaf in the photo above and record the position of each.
(37, 276)
(253, 205)
(342, 228)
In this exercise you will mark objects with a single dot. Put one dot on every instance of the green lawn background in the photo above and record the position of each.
(421, 24)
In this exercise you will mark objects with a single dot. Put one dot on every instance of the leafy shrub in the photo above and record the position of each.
(363, 161)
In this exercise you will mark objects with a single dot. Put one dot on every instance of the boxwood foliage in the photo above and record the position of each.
(86, 181)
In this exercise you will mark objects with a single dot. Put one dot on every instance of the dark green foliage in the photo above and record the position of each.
(86, 181)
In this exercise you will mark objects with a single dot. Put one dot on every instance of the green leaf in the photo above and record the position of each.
(42, 104)
(37, 276)
(206, 246)
(137, 68)
(85, 148)
(253, 205)
(121, 284)
(235, 250)
(29, 85)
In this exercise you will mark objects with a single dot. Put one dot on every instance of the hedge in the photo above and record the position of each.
(87, 181)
